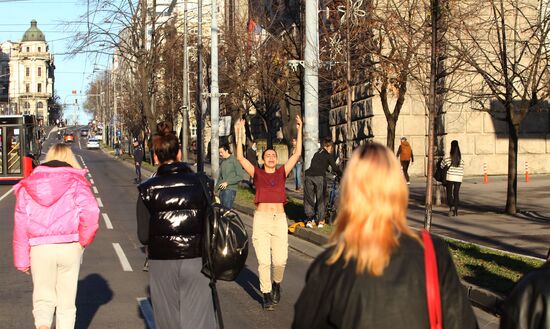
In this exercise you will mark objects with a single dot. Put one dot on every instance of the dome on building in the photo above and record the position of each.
(33, 33)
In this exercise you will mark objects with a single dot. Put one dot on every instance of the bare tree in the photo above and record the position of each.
(507, 51)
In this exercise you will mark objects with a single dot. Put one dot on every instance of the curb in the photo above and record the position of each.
(479, 297)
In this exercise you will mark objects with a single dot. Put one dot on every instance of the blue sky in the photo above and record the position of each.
(70, 73)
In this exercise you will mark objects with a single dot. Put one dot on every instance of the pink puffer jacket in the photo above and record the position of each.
(53, 205)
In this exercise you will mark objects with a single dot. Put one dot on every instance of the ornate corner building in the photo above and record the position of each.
(27, 73)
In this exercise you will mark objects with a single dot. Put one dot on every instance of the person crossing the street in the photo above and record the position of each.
(269, 229)
(406, 157)
(138, 158)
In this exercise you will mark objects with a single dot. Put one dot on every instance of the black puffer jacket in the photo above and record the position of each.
(335, 296)
(171, 211)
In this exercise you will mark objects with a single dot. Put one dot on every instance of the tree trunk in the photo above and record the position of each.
(511, 193)
(390, 138)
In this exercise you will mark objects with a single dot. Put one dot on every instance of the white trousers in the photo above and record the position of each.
(54, 269)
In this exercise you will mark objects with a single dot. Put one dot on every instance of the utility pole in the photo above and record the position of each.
(199, 112)
(311, 81)
(214, 94)
(349, 104)
(185, 132)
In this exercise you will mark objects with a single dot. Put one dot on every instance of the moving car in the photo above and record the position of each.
(84, 132)
(68, 138)
(92, 143)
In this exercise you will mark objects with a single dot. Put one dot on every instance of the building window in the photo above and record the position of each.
(39, 71)
(28, 49)
(28, 71)
(39, 49)
(27, 105)
(27, 88)
(39, 105)
(39, 88)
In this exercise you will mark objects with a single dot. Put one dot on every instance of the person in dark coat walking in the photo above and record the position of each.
(314, 184)
(171, 213)
(373, 275)
(528, 305)
(138, 158)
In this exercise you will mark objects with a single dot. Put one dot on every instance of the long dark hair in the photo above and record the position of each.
(455, 154)
(166, 144)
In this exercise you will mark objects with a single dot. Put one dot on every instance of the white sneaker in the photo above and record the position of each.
(309, 224)
(320, 225)
(408, 183)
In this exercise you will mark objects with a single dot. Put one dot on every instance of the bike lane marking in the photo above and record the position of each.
(92, 181)
(99, 203)
(126, 267)
(95, 190)
(107, 221)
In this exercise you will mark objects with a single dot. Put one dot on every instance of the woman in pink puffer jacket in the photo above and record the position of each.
(56, 216)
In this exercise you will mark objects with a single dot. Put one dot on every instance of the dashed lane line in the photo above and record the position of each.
(146, 311)
(107, 221)
(6, 194)
(92, 181)
(99, 203)
(122, 258)
(95, 190)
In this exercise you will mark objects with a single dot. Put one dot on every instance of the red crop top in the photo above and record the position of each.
(270, 187)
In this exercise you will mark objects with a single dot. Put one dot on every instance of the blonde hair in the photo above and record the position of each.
(62, 152)
(372, 211)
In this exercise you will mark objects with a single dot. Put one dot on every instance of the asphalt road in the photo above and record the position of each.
(112, 285)
(108, 292)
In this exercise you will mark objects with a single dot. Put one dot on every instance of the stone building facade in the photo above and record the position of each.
(30, 69)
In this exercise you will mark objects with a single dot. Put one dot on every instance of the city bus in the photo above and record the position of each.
(20, 146)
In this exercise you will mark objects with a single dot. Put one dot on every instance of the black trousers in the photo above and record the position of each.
(453, 189)
(138, 172)
(314, 198)
(405, 165)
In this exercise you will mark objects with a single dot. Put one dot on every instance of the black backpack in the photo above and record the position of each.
(225, 246)
(440, 174)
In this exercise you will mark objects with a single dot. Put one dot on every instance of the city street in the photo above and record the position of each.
(113, 289)
(111, 278)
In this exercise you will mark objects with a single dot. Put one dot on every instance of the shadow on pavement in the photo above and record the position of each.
(250, 282)
(93, 291)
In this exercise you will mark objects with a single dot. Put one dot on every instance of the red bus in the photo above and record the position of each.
(20, 146)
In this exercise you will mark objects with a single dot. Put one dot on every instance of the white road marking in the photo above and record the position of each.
(6, 194)
(99, 203)
(95, 190)
(92, 181)
(107, 221)
(122, 258)
(146, 311)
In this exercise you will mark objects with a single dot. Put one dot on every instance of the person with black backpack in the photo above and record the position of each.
(269, 231)
(454, 166)
(172, 212)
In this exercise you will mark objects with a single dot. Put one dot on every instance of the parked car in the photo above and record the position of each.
(92, 143)
(68, 138)
(84, 132)
(99, 136)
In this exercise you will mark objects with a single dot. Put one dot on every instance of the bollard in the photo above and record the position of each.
(526, 172)
(485, 177)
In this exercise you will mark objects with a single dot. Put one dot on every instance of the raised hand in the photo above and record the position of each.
(298, 122)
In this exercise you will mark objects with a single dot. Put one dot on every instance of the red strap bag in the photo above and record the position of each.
(432, 283)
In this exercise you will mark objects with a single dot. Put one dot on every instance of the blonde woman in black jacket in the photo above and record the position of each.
(373, 274)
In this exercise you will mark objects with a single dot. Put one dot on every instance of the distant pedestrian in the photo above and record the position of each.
(406, 157)
(171, 214)
(297, 171)
(528, 305)
(231, 173)
(117, 148)
(373, 274)
(455, 173)
(138, 158)
(315, 184)
(56, 217)
(269, 229)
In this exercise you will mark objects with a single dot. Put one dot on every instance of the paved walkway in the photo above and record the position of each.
(481, 215)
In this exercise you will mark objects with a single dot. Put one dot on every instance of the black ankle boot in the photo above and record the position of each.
(455, 211)
(276, 292)
(267, 302)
